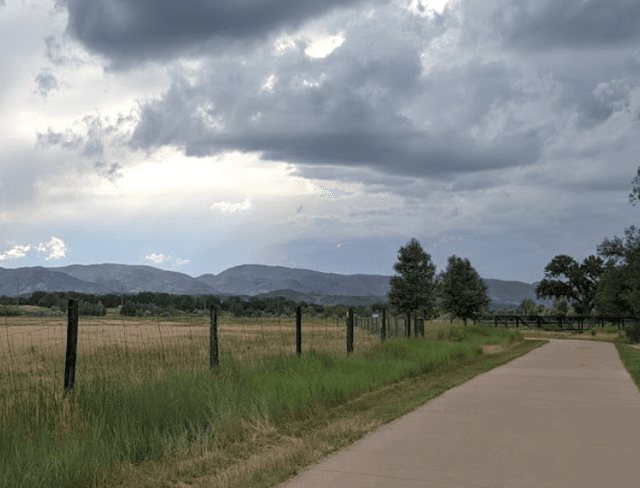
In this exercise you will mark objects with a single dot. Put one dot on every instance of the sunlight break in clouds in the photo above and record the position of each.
(227, 208)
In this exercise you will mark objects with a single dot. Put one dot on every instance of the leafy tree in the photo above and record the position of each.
(413, 289)
(36, 296)
(88, 308)
(560, 307)
(619, 290)
(110, 300)
(50, 300)
(528, 307)
(234, 304)
(340, 311)
(464, 293)
(581, 285)
(131, 309)
(634, 196)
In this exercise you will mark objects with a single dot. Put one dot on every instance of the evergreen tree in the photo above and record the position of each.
(463, 292)
(413, 289)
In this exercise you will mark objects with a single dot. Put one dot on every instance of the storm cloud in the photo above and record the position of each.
(130, 31)
(284, 128)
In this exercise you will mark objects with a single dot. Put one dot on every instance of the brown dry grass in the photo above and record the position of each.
(32, 349)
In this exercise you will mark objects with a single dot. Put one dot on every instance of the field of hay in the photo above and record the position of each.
(134, 350)
(32, 349)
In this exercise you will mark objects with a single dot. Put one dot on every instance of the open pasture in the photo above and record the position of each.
(32, 349)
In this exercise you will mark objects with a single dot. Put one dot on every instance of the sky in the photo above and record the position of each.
(196, 135)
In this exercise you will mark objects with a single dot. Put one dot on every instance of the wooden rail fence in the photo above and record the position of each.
(568, 322)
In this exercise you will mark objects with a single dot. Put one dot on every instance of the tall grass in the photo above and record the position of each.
(53, 441)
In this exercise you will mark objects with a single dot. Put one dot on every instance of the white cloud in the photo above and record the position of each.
(227, 208)
(55, 248)
(16, 252)
(181, 262)
(157, 258)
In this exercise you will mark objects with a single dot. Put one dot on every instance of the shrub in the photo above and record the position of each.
(633, 333)
(594, 331)
(9, 312)
(610, 329)
(88, 308)
(551, 328)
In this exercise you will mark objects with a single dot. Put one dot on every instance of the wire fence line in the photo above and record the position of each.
(33, 351)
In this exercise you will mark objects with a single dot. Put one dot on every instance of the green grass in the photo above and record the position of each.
(51, 441)
(630, 357)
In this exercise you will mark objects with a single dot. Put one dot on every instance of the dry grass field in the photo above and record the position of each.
(32, 349)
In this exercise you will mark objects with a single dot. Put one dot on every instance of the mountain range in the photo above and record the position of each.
(245, 280)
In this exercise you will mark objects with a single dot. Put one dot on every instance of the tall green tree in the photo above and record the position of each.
(528, 307)
(619, 290)
(579, 284)
(413, 288)
(464, 294)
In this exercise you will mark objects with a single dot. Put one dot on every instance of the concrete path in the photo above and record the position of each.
(565, 415)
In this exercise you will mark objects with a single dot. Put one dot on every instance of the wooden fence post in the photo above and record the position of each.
(350, 331)
(383, 328)
(72, 346)
(214, 358)
(299, 330)
(407, 325)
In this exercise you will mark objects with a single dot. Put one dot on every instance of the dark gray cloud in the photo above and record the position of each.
(374, 105)
(128, 31)
(581, 25)
(367, 104)
(46, 83)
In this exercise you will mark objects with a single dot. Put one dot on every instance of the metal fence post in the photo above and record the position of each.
(383, 328)
(299, 330)
(350, 331)
(214, 358)
(72, 346)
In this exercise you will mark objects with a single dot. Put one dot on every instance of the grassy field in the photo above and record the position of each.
(149, 412)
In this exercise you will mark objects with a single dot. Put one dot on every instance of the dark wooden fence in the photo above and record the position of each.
(567, 322)
(386, 325)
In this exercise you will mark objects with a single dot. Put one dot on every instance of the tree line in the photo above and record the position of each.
(606, 285)
(166, 305)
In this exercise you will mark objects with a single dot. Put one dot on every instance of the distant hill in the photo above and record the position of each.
(115, 277)
(510, 294)
(246, 280)
(253, 279)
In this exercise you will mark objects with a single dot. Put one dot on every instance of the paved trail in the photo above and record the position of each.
(564, 415)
